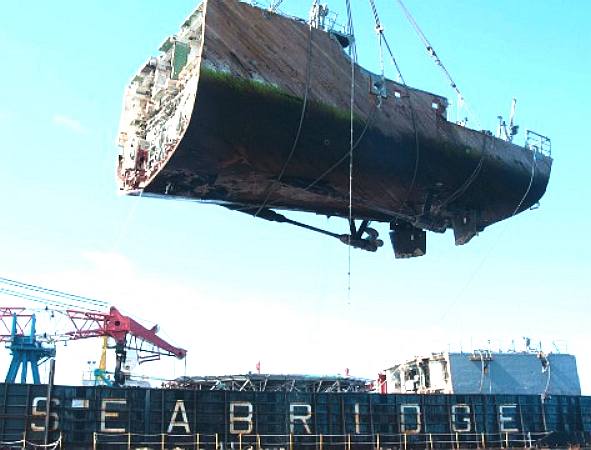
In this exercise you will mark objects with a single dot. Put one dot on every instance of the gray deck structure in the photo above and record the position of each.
(486, 372)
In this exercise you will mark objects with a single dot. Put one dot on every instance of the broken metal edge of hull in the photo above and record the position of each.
(102, 417)
(215, 116)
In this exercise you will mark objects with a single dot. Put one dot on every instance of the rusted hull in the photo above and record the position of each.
(409, 162)
(238, 142)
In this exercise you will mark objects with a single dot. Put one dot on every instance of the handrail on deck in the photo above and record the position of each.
(538, 143)
(401, 441)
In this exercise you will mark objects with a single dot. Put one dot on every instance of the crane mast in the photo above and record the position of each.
(22, 342)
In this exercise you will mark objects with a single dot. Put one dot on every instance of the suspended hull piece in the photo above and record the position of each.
(216, 117)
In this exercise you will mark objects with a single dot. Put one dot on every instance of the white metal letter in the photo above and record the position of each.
(304, 418)
(37, 412)
(110, 415)
(416, 409)
(234, 419)
(179, 407)
(503, 419)
(463, 425)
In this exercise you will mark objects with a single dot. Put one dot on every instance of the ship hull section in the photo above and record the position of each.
(267, 124)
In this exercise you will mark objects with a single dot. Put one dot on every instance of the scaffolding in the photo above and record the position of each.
(273, 383)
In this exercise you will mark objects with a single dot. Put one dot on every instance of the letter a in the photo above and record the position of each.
(179, 407)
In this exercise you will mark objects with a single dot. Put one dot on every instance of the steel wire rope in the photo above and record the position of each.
(461, 190)
(368, 122)
(49, 302)
(531, 182)
(55, 293)
(435, 56)
(382, 36)
(274, 5)
(494, 244)
(428, 45)
(300, 124)
(353, 57)
(367, 125)
(472, 177)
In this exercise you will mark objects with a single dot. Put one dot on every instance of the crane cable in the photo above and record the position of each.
(534, 165)
(429, 47)
(382, 38)
(474, 175)
(370, 117)
(353, 57)
(300, 124)
(382, 42)
(380, 31)
(274, 5)
(44, 301)
(79, 300)
(494, 245)
(461, 190)
(435, 56)
(324, 174)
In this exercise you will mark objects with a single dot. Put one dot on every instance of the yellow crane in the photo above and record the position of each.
(100, 373)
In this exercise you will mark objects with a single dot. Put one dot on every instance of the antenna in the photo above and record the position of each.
(508, 132)
(502, 128)
(513, 129)
(512, 115)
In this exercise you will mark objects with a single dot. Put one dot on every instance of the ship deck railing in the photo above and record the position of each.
(331, 24)
(538, 143)
(401, 441)
(22, 443)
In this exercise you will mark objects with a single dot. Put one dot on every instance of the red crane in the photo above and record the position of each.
(127, 333)
(87, 322)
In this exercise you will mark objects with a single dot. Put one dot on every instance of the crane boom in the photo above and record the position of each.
(90, 324)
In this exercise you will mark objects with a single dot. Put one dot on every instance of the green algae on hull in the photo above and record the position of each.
(273, 93)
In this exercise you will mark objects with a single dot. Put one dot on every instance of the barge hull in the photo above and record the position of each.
(88, 417)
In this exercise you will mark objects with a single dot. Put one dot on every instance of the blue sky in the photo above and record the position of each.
(234, 290)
